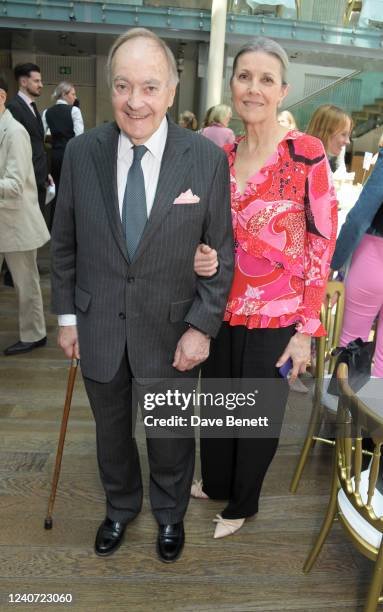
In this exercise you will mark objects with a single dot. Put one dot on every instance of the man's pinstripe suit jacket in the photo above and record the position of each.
(145, 304)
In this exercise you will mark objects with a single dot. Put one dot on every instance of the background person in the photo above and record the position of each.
(218, 130)
(286, 119)
(23, 108)
(206, 119)
(63, 121)
(22, 227)
(188, 120)
(361, 237)
(284, 215)
(332, 126)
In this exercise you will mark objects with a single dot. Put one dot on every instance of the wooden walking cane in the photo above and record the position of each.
(64, 422)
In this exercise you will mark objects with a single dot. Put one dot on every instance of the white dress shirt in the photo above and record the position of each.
(151, 165)
(78, 123)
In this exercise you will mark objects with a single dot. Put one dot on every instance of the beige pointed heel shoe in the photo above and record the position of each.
(196, 490)
(225, 527)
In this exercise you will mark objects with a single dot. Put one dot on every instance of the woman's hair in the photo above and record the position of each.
(326, 121)
(207, 118)
(62, 89)
(268, 46)
(288, 119)
(188, 120)
(219, 113)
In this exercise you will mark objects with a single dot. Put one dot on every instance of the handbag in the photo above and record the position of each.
(358, 357)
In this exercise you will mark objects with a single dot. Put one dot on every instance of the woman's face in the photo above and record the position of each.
(284, 120)
(70, 96)
(257, 87)
(339, 139)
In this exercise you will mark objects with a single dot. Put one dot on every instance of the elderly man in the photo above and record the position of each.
(137, 196)
(22, 227)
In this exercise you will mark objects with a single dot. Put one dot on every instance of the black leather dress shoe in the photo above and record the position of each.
(171, 539)
(109, 537)
(24, 347)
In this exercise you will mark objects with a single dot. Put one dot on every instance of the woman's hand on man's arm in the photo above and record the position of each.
(205, 260)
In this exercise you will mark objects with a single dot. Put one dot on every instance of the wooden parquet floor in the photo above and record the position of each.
(258, 569)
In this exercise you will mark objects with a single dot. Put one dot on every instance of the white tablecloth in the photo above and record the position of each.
(371, 9)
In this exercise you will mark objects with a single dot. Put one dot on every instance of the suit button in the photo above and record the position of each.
(130, 279)
(122, 315)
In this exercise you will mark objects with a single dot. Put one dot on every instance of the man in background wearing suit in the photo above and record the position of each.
(23, 108)
(22, 227)
(136, 198)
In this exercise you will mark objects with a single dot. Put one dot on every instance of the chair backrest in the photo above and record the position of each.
(331, 317)
(356, 420)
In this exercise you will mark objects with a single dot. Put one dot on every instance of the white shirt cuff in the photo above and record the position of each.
(67, 319)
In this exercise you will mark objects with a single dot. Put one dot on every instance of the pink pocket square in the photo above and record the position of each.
(187, 197)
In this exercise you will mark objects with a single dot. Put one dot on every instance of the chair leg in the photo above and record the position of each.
(313, 429)
(307, 446)
(376, 584)
(327, 522)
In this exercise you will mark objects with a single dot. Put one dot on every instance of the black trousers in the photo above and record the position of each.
(171, 458)
(233, 468)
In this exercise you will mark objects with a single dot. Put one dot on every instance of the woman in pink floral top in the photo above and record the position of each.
(284, 214)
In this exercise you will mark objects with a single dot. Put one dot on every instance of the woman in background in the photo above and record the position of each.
(188, 120)
(206, 119)
(284, 215)
(62, 121)
(286, 119)
(218, 130)
(332, 126)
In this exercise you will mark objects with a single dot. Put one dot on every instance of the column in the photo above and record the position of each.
(216, 52)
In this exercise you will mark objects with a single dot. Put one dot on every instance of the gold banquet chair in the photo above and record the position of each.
(354, 499)
(324, 404)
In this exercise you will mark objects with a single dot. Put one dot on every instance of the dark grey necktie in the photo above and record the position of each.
(134, 213)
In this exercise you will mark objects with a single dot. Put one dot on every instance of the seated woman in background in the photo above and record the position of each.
(188, 120)
(217, 130)
(286, 119)
(362, 237)
(284, 215)
(332, 126)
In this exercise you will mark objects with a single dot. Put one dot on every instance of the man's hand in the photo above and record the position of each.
(298, 349)
(192, 349)
(67, 339)
(205, 260)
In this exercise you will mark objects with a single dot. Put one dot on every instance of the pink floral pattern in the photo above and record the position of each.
(285, 230)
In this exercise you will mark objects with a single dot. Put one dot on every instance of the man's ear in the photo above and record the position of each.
(172, 93)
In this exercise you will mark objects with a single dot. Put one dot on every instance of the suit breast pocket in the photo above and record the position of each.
(82, 299)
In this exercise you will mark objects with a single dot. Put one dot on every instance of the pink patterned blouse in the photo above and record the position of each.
(285, 232)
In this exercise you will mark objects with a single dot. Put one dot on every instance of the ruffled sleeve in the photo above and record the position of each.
(321, 227)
